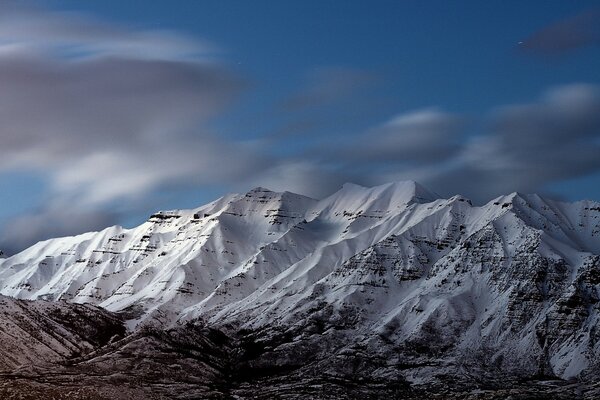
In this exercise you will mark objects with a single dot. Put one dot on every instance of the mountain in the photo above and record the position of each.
(373, 285)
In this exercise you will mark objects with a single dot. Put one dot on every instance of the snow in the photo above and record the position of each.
(493, 276)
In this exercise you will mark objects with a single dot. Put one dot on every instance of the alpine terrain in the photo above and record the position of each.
(371, 292)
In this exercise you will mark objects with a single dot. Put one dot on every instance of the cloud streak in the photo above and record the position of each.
(46, 223)
(518, 147)
(532, 145)
(327, 85)
(407, 139)
(110, 115)
(566, 35)
(114, 125)
(78, 36)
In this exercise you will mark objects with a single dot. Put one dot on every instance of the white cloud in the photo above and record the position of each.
(78, 36)
(132, 114)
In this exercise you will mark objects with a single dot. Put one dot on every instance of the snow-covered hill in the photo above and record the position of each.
(437, 286)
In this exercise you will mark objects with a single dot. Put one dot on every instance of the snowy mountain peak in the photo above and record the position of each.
(407, 188)
(390, 197)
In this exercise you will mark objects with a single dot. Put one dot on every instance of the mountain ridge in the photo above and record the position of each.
(508, 288)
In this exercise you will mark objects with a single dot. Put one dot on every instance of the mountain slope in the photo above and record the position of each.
(37, 333)
(426, 287)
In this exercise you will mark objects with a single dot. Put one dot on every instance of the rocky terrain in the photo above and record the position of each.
(377, 292)
(192, 361)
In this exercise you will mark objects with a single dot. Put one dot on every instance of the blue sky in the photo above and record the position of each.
(115, 109)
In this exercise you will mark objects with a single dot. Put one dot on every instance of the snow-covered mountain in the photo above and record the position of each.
(424, 285)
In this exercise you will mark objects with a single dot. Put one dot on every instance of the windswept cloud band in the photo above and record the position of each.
(107, 114)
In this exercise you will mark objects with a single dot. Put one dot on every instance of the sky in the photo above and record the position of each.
(112, 110)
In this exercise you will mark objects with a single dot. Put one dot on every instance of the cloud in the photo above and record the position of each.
(326, 85)
(98, 122)
(407, 142)
(518, 147)
(525, 147)
(109, 114)
(26, 230)
(304, 176)
(412, 138)
(566, 35)
(78, 36)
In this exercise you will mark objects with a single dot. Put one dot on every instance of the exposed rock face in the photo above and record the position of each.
(38, 333)
(389, 286)
(194, 362)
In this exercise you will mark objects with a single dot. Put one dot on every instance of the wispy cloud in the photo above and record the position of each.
(25, 230)
(78, 36)
(566, 35)
(108, 113)
(326, 85)
(114, 125)
(407, 139)
(519, 147)
(531, 145)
